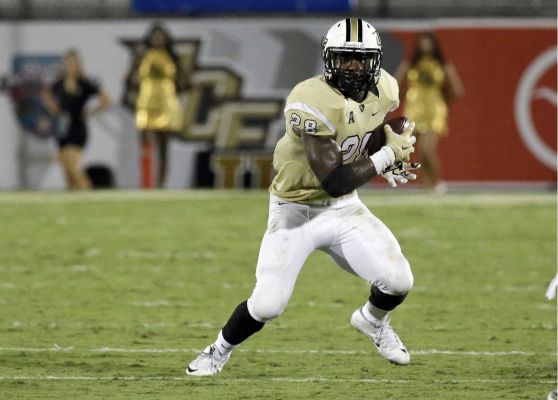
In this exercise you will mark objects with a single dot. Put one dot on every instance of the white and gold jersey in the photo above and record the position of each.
(316, 108)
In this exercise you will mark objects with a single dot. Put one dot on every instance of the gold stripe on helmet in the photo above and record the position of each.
(354, 29)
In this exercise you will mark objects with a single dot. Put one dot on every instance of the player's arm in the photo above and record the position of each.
(323, 153)
(326, 160)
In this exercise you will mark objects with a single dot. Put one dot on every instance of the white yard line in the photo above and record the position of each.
(57, 348)
(310, 379)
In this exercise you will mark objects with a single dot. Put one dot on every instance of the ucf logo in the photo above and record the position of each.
(215, 111)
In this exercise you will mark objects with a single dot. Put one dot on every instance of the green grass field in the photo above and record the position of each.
(109, 295)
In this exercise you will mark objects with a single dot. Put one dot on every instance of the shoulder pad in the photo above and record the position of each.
(316, 97)
(388, 89)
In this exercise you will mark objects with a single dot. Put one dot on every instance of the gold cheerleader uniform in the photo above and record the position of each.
(424, 101)
(157, 103)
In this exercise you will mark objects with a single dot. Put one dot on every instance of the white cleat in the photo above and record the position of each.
(209, 362)
(382, 335)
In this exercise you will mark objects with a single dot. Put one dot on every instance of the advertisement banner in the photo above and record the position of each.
(504, 128)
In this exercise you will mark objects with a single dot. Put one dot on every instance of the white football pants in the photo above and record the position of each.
(345, 229)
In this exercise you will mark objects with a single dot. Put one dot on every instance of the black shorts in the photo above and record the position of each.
(77, 136)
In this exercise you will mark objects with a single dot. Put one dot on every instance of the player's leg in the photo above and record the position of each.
(285, 246)
(240, 326)
(367, 248)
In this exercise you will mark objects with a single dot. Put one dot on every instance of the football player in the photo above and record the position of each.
(320, 161)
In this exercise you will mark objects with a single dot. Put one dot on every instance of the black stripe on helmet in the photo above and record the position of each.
(347, 30)
(359, 30)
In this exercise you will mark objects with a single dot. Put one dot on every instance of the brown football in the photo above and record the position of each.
(378, 137)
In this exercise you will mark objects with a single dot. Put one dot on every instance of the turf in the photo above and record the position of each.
(109, 295)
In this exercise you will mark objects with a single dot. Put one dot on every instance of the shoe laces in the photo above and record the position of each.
(215, 358)
(209, 360)
(386, 334)
(215, 354)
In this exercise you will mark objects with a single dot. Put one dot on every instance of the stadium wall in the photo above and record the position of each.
(503, 130)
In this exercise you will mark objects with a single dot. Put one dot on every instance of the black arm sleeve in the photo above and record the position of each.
(346, 178)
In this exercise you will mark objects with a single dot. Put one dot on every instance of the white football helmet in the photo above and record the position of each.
(354, 38)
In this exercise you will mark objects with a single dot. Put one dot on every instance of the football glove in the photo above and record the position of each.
(399, 173)
(402, 145)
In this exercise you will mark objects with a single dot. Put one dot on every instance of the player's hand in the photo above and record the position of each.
(399, 173)
(402, 145)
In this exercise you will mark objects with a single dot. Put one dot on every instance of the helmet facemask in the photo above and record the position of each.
(363, 74)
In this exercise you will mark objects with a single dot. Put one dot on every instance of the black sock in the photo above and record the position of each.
(383, 300)
(240, 325)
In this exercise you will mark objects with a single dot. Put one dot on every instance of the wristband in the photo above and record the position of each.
(382, 159)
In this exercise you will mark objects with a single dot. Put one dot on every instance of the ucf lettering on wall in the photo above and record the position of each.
(214, 110)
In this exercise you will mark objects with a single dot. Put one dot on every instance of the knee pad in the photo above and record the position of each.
(268, 300)
(398, 279)
(401, 284)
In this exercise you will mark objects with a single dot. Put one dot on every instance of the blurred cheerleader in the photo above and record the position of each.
(431, 84)
(66, 99)
(157, 107)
